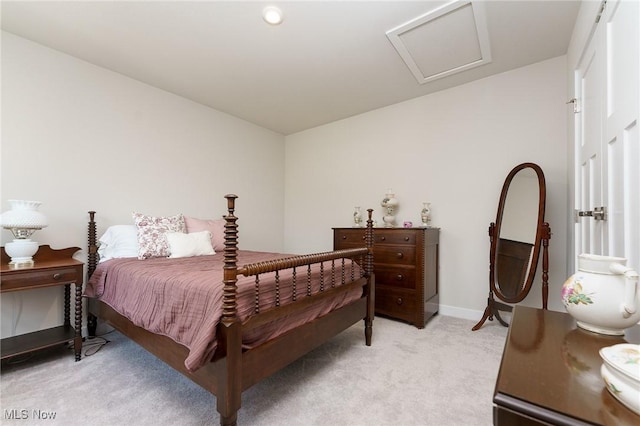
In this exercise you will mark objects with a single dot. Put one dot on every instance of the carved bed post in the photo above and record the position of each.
(230, 381)
(92, 263)
(371, 288)
(92, 258)
(229, 303)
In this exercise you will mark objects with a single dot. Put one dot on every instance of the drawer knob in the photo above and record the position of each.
(57, 276)
(399, 255)
(383, 238)
(399, 300)
(406, 238)
(344, 237)
(399, 277)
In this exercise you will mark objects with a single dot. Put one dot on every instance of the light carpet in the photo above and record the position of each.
(441, 375)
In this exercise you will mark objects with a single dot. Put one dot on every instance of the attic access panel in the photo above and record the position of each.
(444, 41)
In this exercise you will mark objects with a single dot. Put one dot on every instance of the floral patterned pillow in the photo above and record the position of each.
(151, 234)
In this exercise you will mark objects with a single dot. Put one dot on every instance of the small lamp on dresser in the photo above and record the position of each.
(22, 220)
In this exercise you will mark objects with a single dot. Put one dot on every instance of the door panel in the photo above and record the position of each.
(591, 77)
(607, 136)
(622, 188)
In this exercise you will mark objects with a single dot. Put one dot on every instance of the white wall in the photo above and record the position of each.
(454, 149)
(79, 137)
(73, 122)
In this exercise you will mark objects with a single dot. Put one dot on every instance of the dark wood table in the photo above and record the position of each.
(550, 373)
(52, 268)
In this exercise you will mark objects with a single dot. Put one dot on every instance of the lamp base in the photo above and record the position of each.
(21, 264)
(21, 252)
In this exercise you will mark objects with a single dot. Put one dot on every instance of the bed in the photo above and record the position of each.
(337, 287)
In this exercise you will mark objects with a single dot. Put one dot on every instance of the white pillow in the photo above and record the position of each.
(187, 245)
(118, 241)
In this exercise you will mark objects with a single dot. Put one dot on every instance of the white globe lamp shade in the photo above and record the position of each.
(23, 219)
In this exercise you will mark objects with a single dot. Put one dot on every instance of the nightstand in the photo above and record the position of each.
(52, 268)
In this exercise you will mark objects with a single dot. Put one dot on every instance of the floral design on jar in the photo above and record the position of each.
(572, 293)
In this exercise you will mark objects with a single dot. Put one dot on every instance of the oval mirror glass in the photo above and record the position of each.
(518, 233)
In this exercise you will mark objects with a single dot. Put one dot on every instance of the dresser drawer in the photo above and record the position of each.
(396, 303)
(24, 279)
(348, 238)
(395, 255)
(395, 236)
(395, 276)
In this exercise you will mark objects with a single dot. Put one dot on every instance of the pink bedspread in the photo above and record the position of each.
(182, 298)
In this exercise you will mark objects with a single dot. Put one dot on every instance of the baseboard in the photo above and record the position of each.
(454, 311)
(468, 314)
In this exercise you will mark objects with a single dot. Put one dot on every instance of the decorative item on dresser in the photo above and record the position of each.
(51, 268)
(357, 217)
(389, 203)
(425, 214)
(406, 268)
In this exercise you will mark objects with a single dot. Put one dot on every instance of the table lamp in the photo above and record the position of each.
(22, 220)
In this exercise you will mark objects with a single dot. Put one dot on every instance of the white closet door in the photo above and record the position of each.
(607, 137)
(590, 89)
(622, 179)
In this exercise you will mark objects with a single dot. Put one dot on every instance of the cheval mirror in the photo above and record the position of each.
(516, 237)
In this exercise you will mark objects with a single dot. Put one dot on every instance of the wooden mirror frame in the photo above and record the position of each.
(541, 242)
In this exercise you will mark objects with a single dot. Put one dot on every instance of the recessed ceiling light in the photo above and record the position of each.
(272, 15)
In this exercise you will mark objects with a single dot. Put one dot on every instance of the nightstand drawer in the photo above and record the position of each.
(395, 276)
(394, 255)
(397, 303)
(24, 279)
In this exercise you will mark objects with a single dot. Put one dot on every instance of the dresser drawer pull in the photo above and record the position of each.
(344, 237)
(399, 300)
(406, 238)
(399, 277)
(383, 238)
(399, 255)
(57, 276)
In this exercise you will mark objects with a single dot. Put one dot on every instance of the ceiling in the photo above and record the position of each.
(328, 60)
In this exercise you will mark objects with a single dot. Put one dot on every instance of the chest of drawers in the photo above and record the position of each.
(405, 262)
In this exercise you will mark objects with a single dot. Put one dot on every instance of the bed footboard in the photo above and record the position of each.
(242, 371)
(232, 270)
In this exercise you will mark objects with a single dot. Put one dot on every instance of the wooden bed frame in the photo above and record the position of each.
(234, 369)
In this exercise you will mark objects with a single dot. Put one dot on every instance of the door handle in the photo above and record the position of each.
(598, 213)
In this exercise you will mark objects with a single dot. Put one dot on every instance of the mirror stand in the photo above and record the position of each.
(494, 307)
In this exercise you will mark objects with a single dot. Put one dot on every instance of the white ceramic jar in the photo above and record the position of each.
(621, 373)
(603, 295)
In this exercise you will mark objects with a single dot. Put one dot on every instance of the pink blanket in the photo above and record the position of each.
(182, 298)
